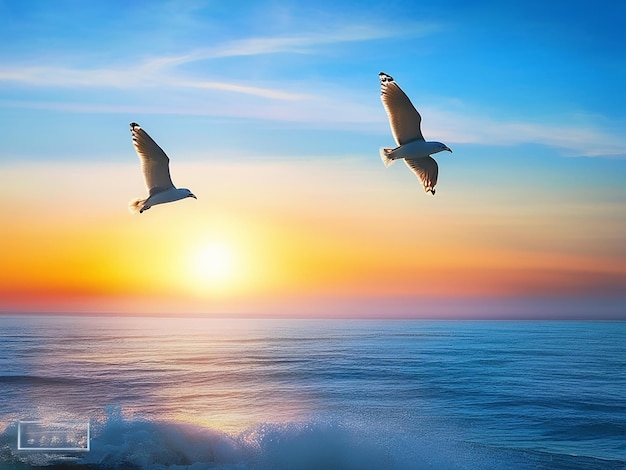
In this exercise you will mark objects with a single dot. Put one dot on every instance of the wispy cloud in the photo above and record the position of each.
(306, 42)
(249, 90)
(163, 71)
(130, 77)
(59, 76)
(565, 132)
(331, 108)
(326, 104)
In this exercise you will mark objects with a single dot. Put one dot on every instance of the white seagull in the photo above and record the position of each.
(405, 124)
(156, 171)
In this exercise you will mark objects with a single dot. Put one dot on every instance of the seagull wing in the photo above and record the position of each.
(426, 169)
(404, 119)
(154, 161)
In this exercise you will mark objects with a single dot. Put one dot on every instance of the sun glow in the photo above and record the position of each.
(213, 268)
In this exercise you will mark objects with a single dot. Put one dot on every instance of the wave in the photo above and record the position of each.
(138, 444)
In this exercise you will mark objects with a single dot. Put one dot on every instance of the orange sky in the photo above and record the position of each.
(280, 240)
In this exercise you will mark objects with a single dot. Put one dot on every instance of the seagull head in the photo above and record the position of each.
(436, 147)
(187, 193)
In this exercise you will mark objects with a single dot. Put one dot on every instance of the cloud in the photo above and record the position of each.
(132, 77)
(331, 107)
(305, 43)
(243, 89)
(162, 71)
(325, 104)
(573, 135)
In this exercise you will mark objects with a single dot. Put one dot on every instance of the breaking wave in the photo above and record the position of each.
(137, 444)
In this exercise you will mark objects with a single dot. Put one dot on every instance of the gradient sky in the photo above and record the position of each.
(270, 113)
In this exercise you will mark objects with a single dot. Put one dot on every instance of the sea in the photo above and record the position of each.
(215, 393)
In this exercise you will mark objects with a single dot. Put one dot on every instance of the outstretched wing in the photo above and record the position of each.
(154, 161)
(426, 169)
(404, 119)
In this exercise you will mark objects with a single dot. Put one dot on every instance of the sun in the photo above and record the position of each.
(212, 267)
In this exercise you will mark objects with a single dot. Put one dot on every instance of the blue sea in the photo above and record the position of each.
(196, 393)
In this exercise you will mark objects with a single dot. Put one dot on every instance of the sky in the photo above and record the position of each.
(270, 113)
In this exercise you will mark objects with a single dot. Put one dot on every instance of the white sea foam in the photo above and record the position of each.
(166, 445)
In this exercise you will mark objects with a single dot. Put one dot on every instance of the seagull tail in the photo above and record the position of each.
(136, 205)
(387, 156)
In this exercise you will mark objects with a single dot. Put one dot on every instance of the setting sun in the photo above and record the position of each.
(212, 267)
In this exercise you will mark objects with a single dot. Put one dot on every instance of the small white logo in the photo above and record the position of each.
(64, 436)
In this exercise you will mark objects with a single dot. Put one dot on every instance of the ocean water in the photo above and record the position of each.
(316, 394)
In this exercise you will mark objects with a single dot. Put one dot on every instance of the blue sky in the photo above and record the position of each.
(550, 75)
(530, 96)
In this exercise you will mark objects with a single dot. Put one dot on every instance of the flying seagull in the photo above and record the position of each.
(156, 171)
(405, 124)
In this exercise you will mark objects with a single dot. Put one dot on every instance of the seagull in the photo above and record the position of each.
(156, 172)
(405, 123)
